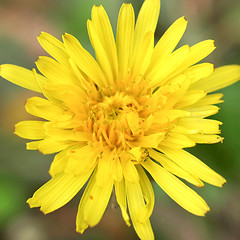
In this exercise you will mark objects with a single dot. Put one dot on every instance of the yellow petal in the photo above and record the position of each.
(176, 189)
(59, 163)
(183, 84)
(71, 95)
(167, 116)
(177, 140)
(146, 22)
(205, 138)
(104, 168)
(100, 52)
(135, 153)
(136, 204)
(190, 98)
(199, 71)
(43, 108)
(120, 192)
(49, 145)
(103, 42)
(57, 192)
(202, 111)
(148, 195)
(133, 123)
(199, 51)
(161, 72)
(208, 126)
(21, 77)
(54, 71)
(172, 167)
(150, 141)
(169, 40)
(64, 135)
(193, 165)
(54, 47)
(220, 78)
(124, 39)
(117, 172)
(130, 172)
(93, 203)
(33, 145)
(84, 60)
(209, 99)
(30, 129)
(81, 159)
(142, 58)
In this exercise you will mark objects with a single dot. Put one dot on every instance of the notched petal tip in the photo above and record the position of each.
(41, 34)
(185, 18)
(204, 214)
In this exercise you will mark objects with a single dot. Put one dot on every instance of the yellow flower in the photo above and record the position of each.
(131, 110)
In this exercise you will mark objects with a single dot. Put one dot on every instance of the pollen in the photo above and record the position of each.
(117, 120)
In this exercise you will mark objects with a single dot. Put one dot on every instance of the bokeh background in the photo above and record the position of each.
(22, 171)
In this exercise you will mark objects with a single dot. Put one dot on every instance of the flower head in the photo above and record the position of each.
(132, 109)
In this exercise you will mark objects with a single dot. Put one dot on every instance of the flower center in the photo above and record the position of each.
(116, 120)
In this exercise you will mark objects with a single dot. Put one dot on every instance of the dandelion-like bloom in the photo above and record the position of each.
(131, 110)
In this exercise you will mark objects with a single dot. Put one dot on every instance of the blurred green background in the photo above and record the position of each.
(22, 171)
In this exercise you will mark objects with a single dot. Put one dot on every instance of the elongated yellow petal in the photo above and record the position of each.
(33, 145)
(220, 78)
(208, 126)
(136, 204)
(193, 165)
(199, 51)
(202, 111)
(54, 71)
(142, 58)
(120, 192)
(63, 135)
(81, 159)
(130, 172)
(93, 203)
(150, 141)
(177, 190)
(101, 54)
(146, 22)
(43, 108)
(59, 163)
(30, 129)
(124, 39)
(54, 47)
(84, 60)
(104, 168)
(57, 192)
(172, 167)
(159, 74)
(117, 172)
(199, 71)
(166, 116)
(49, 145)
(135, 153)
(169, 40)
(21, 76)
(209, 99)
(177, 140)
(133, 123)
(102, 39)
(148, 194)
(205, 138)
(190, 98)
(71, 95)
